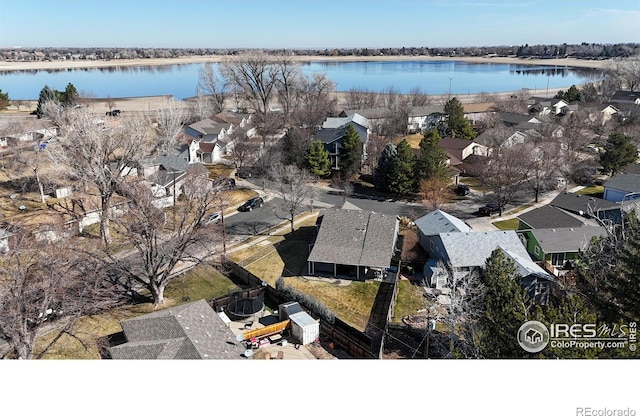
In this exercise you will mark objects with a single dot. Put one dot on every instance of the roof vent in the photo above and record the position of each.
(553, 229)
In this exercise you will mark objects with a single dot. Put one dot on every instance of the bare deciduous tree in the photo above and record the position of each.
(169, 121)
(435, 192)
(44, 285)
(288, 78)
(357, 98)
(504, 173)
(212, 87)
(162, 242)
(314, 102)
(98, 156)
(294, 187)
(253, 75)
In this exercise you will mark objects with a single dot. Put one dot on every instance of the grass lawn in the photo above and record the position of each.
(410, 299)
(219, 170)
(473, 182)
(412, 139)
(595, 191)
(203, 282)
(511, 224)
(351, 303)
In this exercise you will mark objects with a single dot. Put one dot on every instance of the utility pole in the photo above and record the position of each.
(224, 233)
(450, 79)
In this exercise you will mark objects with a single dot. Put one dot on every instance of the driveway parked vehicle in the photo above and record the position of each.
(489, 209)
(462, 190)
(256, 202)
(214, 218)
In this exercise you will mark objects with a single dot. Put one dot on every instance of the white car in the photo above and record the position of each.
(214, 218)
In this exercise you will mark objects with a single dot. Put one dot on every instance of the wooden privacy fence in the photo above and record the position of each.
(356, 343)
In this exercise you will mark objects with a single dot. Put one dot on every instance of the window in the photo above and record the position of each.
(536, 250)
(557, 259)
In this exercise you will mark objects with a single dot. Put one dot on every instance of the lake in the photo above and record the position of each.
(431, 77)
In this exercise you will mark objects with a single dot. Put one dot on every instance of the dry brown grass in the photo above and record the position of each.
(412, 139)
(351, 303)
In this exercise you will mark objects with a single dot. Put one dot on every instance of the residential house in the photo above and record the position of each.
(551, 217)
(557, 248)
(170, 175)
(332, 133)
(588, 206)
(189, 331)
(625, 99)
(514, 119)
(462, 148)
(478, 112)
(234, 121)
(622, 187)
(375, 116)
(206, 130)
(467, 252)
(546, 106)
(354, 243)
(431, 225)
(425, 118)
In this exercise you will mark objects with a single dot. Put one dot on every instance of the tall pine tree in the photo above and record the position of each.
(506, 308)
(350, 153)
(457, 124)
(381, 174)
(46, 95)
(619, 151)
(317, 159)
(401, 177)
(432, 159)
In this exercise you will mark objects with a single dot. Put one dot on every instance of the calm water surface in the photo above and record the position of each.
(430, 77)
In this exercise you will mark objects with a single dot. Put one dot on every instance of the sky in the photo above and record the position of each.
(298, 24)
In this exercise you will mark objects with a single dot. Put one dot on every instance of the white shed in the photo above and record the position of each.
(304, 328)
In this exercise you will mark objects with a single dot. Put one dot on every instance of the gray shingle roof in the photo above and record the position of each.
(566, 240)
(349, 237)
(577, 203)
(208, 126)
(437, 222)
(626, 182)
(190, 331)
(368, 113)
(337, 122)
(525, 265)
(426, 110)
(473, 248)
(550, 217)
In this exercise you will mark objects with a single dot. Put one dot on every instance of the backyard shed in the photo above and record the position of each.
(304, 328)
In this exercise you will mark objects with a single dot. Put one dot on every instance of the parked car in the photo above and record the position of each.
(113, 113)
(489, 209)
(256, 202)
(214, 218)
(462, 190)
(231, 183)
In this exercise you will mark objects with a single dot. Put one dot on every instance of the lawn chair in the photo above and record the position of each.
(280, 355)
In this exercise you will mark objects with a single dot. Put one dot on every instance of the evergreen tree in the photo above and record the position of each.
(381, 174)
(506, 308)
(457, 125)
(68, 96)
(401, 177)
(4, 100)
(432, 159)
(350, 153)
(619, 151)
(317, 159)
(46, 95)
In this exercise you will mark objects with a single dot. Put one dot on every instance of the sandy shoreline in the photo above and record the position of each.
(43, 65)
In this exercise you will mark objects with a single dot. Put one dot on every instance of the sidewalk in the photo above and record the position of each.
(485, 223)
